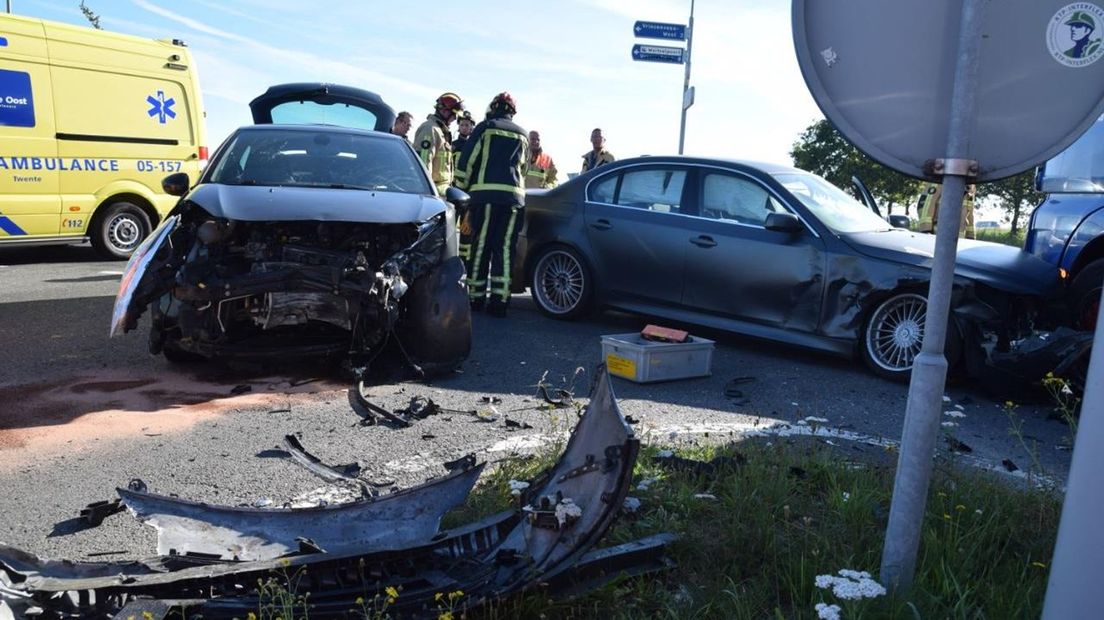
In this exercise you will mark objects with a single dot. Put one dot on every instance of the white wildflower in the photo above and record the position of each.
(950, 424)
(978, 511)
(827, 612)
(567, 510)
(954, 414)
(631, 504)
(705, 496)
(517, 486)
(851, 585)
(664, 454)
(846, 496)
(816, 419)
(802, 423)
(645, 483)
(960, 408)
(795, 404)
(946, 398)
(1066, 390)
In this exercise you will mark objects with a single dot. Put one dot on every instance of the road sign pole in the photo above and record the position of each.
(686, 79)
(1073, 589)
(929, 372)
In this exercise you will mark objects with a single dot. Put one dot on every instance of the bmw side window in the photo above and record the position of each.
(603, 190)
(730, 198)
(655, 190)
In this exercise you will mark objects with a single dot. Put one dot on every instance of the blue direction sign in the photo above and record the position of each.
(657, 30)
(658, 53)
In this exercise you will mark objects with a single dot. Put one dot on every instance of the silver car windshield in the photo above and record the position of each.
(322, 158)
(831, 205)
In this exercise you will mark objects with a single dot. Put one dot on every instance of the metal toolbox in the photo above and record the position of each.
(631, 357)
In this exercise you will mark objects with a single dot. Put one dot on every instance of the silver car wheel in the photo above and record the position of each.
(896, 332)
(559, 282)
(124, 231)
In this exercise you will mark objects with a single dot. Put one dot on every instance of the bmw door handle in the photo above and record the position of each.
(703, 241)
(602, 225)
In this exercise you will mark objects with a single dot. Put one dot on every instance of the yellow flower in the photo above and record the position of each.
(251, 616)
(391, 591)
(1009, 404)
(360, 600)
(947, 516)
(147, 615)
(960, 507)
(1038, 565)
(438, 596)
(941, 494)
(445, 615)
(285, 562)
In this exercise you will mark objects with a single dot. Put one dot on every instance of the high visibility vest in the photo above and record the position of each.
(433, 143)
(542, 172)
(928, 209)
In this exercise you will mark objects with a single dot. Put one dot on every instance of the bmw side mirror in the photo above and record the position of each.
(783, 222)
(176, 184)
(899, 221)
(457, 196)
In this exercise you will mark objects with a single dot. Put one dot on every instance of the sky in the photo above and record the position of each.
(568, 64)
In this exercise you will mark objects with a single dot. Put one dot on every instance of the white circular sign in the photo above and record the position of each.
(1074, 34)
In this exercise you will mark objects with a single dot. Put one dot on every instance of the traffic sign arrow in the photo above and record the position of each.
(659, 30)
(658, 53)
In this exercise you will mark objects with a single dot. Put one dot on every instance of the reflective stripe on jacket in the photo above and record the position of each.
(542, 172)
(493, 165)
(928, 210)
(433, 143)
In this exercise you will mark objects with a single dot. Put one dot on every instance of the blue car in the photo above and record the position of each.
(1067, 230)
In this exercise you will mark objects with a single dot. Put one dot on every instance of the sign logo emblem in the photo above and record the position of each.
(1074, 34)
(161, 107)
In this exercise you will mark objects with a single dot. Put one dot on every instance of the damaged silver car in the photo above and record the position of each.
(304, 240)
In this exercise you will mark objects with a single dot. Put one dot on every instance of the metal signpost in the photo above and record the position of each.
(943, 113)
(667, 54)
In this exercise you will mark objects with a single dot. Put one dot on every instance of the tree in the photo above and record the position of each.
(823, 150)
(1014, 193)
(91, 16)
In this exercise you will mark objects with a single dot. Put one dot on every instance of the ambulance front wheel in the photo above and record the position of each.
(118, 229)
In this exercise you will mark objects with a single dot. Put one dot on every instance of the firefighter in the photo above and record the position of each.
(542, 170)
(464, 124)
(433, 140)
(492, 170)
(598, 155)
(927, 209)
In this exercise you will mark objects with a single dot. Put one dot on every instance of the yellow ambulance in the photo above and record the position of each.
(90, 122)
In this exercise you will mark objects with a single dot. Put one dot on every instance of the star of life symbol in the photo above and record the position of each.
(830, 56)
(161, 107)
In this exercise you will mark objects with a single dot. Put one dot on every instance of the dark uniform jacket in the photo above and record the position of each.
(494, 161)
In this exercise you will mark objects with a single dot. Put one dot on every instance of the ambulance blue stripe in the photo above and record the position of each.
(10, 227)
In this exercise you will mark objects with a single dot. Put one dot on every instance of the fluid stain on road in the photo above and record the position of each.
(72, 413)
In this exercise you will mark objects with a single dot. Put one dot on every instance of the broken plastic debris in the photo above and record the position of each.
(488, 413)
(567, 511)
(631, 504)
(517, 486)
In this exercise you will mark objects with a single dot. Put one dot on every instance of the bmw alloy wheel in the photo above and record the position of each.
(895, 332)
(560, 282)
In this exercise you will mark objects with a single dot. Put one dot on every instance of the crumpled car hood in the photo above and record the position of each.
(251, 203)
(1000, 266)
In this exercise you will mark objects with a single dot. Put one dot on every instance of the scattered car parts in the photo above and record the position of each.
(547, 540)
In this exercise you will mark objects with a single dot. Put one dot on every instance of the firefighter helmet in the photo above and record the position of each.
(502, 104)
(450, 101)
